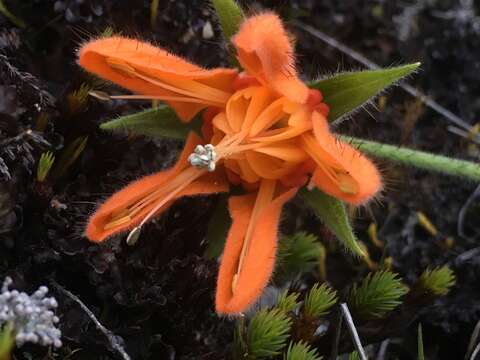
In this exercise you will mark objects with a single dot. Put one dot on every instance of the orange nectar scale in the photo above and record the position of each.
(260, 138)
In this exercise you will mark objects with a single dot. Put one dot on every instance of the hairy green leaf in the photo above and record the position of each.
(332, 212)
(319, 300)
(230, 16)
(378, 294)
(301, 351)
(345, 92)
(161, 121)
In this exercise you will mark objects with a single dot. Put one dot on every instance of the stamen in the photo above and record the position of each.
(212, 97)
(133, 236)
(101, 95)
(203, 157)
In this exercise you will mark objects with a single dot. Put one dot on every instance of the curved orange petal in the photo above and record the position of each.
(260, 258)
(356, 179)
(149, 70)
(266, 52)
(137, 190)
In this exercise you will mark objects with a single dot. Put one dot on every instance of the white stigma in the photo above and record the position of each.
(203, 157)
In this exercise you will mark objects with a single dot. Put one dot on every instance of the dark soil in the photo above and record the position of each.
(158, 295)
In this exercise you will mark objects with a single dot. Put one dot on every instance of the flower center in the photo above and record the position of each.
(257, 136)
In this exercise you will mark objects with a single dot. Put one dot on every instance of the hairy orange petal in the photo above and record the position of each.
(118, 59)
(260, 258)
(266, 52)
(209, 183)
(359, 179)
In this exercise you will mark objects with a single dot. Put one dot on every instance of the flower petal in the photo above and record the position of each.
(98, 229)
(260, 257)
(148, 70)
(266, 52)
(344, 172)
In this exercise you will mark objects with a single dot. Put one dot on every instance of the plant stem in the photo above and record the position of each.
(15, 20)
(7, 341)
(419, 159)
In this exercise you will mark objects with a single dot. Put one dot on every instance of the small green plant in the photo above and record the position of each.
(301, 351)
(44, 165)
(77, 100)
(378, 294)
(287, 302)
(354, 356)
(297, 254)
(69, 155)
(266, 335)
(438, 281)
(319, 300)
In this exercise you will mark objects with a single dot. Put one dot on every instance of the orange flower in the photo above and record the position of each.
(263, 129)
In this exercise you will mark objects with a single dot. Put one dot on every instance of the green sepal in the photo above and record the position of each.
(218, 229)
(230, 15)
(334, 215)
(345, 92)
(156, 122)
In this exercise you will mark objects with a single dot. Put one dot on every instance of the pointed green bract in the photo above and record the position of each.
(420, 159)
(161, 121)
(230, 16)
(332, 212)
(345, 92)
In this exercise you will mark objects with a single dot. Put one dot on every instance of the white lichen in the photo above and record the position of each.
(31, 316)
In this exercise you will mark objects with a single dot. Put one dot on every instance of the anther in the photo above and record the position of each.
(133, 236)
(203, 157)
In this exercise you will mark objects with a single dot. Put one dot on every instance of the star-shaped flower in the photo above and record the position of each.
(263, 129)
